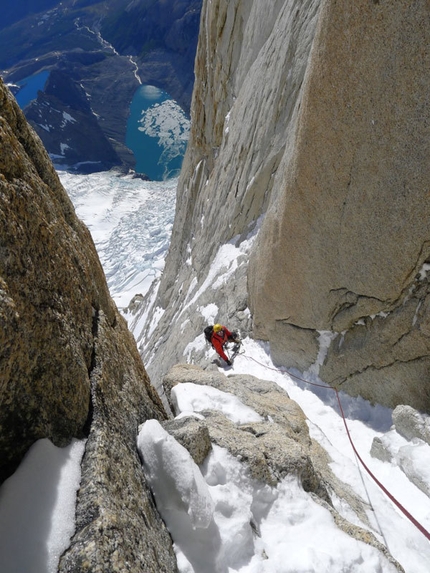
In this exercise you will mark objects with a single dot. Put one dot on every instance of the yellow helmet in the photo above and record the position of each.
(217, 327)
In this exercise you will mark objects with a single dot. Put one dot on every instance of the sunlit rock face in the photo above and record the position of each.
(52, 289)
(345, 244)
(250, 64)
(310, 125)
(69, 367)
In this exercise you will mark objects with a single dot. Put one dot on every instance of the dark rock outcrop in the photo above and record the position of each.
(69, 367)
(63, 119)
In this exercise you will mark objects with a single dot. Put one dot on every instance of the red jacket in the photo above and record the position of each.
(219, 339)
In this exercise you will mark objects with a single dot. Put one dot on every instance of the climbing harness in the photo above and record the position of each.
(235, 350)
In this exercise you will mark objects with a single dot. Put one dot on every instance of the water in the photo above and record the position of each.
(157, 129)
(29, 88)
(157, 133)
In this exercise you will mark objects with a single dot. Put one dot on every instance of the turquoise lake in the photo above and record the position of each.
(29, 88)
(157, 128)
(157, 133)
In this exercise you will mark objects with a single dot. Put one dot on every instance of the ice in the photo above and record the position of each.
(130, 221)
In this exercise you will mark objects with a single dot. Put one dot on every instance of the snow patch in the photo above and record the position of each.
(195, 346)
(193, 397)
(325, 338)
(156, 317)
(67, 118)
(174, 477)
(423, 272)
(37, 508)
(223, 266)
(209, 312)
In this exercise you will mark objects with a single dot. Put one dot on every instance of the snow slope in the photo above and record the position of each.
(130, 221)
(211, 508)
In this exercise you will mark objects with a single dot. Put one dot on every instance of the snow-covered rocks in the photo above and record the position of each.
(182, 497)
(269, 482)
(411, 424)
(407, 445)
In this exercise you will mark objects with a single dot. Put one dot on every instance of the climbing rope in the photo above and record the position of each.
(381, 486)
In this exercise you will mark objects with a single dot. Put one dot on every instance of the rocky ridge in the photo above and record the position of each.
(69, 366)
(273, 448)
(308, 155)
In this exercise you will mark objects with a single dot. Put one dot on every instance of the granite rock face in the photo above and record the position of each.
(117, 525)
(52, 287)
(250, 64)
(69, 366)
(308, 153)
(344, 246)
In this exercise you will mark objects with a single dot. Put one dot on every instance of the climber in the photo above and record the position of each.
(218, 336)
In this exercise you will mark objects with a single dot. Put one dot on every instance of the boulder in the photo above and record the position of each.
(411, 424)
(192, 433)
(381, 450)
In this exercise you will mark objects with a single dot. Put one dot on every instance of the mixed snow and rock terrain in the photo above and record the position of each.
(310, 125)
(69, 369)
(247, 434)
(263, 466)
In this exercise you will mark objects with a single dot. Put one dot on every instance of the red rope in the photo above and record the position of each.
(384, 489)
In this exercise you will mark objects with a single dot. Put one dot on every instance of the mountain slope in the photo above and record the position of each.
(315, 141)
(69, 366)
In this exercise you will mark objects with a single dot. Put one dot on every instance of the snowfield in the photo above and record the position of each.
(130, 221)
(221, 519)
